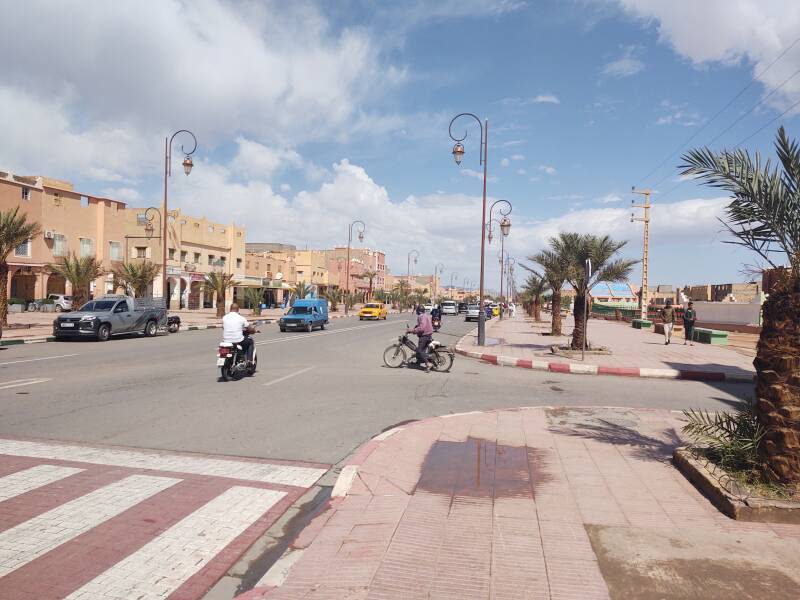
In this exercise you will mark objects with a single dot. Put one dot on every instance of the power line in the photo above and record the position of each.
(723, 109)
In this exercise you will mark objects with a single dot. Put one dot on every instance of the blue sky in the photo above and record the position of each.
(311, 114)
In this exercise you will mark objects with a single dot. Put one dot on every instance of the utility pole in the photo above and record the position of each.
(644, 293)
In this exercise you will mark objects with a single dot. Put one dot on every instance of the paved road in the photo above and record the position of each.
(315, 398)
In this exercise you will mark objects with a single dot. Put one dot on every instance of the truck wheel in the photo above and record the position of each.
(104, 332)
(150, 329)
(283, 329)
(309, 327)
(58, 308)
(322, 326)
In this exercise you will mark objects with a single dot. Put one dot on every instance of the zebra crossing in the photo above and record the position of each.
(82, 522)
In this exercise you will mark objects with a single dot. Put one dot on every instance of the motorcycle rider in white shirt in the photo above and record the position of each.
(233, 329)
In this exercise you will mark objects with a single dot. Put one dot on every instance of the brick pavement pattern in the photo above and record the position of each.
(89, 522)
(632, 350)
(511, 504)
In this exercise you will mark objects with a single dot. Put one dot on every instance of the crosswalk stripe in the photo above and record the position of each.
(161, 566)
(39, 535)
(30, 479)
(261, 472)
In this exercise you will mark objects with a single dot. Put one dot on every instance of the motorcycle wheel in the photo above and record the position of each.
(173, 327)
(442, 361)
(394, 356)
(225, 371)
(252, 369)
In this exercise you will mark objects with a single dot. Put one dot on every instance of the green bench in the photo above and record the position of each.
(710, 336)
(641, 324)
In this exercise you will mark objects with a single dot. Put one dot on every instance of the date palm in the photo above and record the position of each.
(369, 275)
(219, 283)
(15, 229)
(136, 276)
(535, 287)
(301, 290)
(576, 248)
(333, 296)
(402, 292)
(764, 216)
(556, 268)
(254, 297)
(80, 272)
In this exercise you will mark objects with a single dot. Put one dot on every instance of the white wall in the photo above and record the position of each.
(733, 313)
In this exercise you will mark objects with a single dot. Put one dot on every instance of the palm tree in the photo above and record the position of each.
(254, 297)
(301, 290)
(219, 283)
(577, 248)
(401, 289)
(333, 296)
(371, 275)
(80, 272)
(533, 290)
(14, 230)
(556, 268)
(764, 216)
(136, 276)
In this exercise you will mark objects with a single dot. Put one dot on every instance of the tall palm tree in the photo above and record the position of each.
(600, 250)
(301, 290)
(764, 216)
(534, 288)
(333, 296)
(402, 291)
(80, 272)
(219, 283)
(15, 229)
(370, 275)
(136, 276)
(556, 268)
(254, 297)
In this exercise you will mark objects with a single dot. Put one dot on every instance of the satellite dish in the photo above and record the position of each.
(278, 276)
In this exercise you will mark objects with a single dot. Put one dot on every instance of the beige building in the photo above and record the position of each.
(312, 268)
(71, 222)
(274, 265)
(362, 261)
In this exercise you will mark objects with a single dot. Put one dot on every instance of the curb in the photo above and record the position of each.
(581, 369)
(38, 340)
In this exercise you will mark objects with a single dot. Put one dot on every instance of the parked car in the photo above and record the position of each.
(373, 310)
(305, 314)
(473, 312)
(449, 308)
(62, 303)
(462, 307)
(111, 315)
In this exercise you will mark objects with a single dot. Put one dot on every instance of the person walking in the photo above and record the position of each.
(668, 316)
(689, 317)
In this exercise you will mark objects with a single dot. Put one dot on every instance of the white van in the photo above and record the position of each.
(449, 308)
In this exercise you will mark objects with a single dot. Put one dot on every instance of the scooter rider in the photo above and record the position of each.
(424, 331)
(233, 329)
(436, 317)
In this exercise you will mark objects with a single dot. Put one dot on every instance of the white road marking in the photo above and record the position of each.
(162, 461)
(289, 376)
(162, 565)
(39, 535)
(319, 333)
(30, 479)
(26, 360)
(7, 385)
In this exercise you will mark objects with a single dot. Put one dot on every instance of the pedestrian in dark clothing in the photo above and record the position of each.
(668, 316)
(689, 318)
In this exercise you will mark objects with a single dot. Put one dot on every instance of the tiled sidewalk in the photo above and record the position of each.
(631, 348)
(558, 503)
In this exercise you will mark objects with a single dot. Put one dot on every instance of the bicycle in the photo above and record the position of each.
(396, 355)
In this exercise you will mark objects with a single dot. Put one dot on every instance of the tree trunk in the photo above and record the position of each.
(537, 310)
(555, 309)
(80, 295)
(220, 304)
(777, 365)
(578, 332)
(3, 293)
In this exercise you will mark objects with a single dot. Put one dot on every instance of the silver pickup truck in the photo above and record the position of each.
(112, 315)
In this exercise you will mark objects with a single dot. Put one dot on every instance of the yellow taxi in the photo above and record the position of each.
(373, 310)
(495, 310)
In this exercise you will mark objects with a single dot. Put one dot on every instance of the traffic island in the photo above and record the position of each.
(729, 496)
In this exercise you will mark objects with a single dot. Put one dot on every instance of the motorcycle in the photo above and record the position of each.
(397, 355)
(232, 359)
(437, 323)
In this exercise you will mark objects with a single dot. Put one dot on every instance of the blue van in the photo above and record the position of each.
(306, 315)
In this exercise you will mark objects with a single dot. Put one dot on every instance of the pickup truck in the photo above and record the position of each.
(112, 315)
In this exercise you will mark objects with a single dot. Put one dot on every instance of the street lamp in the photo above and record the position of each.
(187, 168)
(509, 285)
(504, 222)
(361, 230)
(408, 266)
(439, 268)
(458, 155)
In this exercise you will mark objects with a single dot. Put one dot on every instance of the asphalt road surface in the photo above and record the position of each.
(315, 397)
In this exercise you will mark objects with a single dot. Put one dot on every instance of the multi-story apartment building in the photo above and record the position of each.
(274, 265)
(312, 268)
(362, 261)
(71, 222)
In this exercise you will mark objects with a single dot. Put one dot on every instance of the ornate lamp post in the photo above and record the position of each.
(362, 228)
(187, 168)
(408, 266)
(149, 229)
(437, 270)
(505, 227)
(510, 274)
(453, 276)
(458, 155)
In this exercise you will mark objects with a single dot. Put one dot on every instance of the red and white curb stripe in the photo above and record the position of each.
(581, 369)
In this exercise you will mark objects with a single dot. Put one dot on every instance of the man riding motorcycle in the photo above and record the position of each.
(424, 332)
(436, 317)
(233, 331)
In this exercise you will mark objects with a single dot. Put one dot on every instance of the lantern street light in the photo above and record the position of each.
(415, 253)
(361, 229)
(453, 276)
(437, 270)
(510, 282)
(187, 168)
(458, 155)
(504, 222)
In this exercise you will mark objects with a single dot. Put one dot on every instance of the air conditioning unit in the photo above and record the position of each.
(49, 234)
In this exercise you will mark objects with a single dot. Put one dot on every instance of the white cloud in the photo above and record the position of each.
(517, 157)
(259, 161)
(285, 187)
(505, 162)
(125, 194)
(547, 169)
(538, 99)
(626, 65)
(756, 31)
(546, 99)
(476, 174)
(608, 199)
(521, 172)
(678, 115)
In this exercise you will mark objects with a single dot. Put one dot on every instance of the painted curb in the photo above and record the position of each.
(38, 340)
(581, 369)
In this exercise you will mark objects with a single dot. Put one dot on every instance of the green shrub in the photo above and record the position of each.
(730, 440)
(17, 301)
